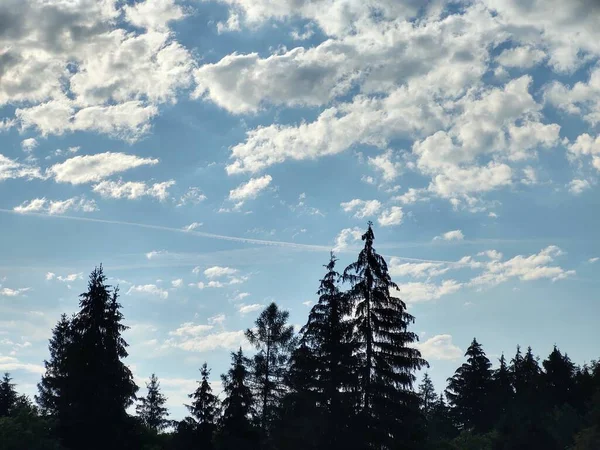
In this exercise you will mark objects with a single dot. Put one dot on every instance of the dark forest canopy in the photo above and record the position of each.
(346, 380)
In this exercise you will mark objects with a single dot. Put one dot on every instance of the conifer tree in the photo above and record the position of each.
(469, 390)
(151, 408)
(427, 396)
(559, 382)
(99, 387)
(274, 340)
(237, 428)
(204, 408)
(52, 386)
(502, 392)
(8, 395)
(389, 406)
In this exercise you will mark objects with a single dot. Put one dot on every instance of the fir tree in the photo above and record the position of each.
(389, 407)
(274, 340)
(52, 386)
(559, 383)
(204, 408)
(237, 430)
(8, 395)
(99, 387)
(469, 390)
(427, 396)
(502, 392)
(151, 408)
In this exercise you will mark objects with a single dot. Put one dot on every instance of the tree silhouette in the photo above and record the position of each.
(469, 390)
(8, 395)
(204, 408)
(389, 407)
(274, 340)
(151, 408)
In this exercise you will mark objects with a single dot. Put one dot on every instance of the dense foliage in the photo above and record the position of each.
(346, 380)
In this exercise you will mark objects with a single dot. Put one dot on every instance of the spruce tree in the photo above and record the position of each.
(502, 392)
(558, 378)
(8, 395)
(427, 396)
(274, 340)
(469, 391)
(325, 362)
(151, 408)
(237, 430)
(53, 384)
(99, 387)
(204, 408)
(388, 361)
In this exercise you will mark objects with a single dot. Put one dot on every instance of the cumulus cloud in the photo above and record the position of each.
(149, 289)
(391, 216)
(361, 208)
(246, 309)
(218, 272)
(386, 164)
(11, 169)
(29, 144)
(201, 338)
(577, 186)
(8, 292)
(12, 364)
(56, 207)
(524, 57)
(249, 190)
(133, 190)
(346, 237)
(415, 292)
(193, 196)
(91, 168)
(439, 348)
(454, 235)
(177, 283)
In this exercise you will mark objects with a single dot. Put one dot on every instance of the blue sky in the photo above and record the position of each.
(211, 153)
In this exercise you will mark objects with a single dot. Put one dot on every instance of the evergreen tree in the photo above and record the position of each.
(204, 408)
(427, 396)
(237, 430)
(151, 408)
(389, 406)
(559, 382)
(502, 392)
(469, 391)
(98, 387)
(8, 395)
(274, 340)
(52, 386)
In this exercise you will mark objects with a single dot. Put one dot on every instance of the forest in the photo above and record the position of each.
(350, 379)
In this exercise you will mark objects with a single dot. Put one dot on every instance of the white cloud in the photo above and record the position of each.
(246, 309)
(56, 207)
(346, 237)
(8, 292)
(415, 292)
(417, 270)
(91, 168)
(391, 217)
(133, 189)
(10, 169)
(593, 260)
(192, 226)
(361, 208)
(190, 329)
(153, 14)
(193, 196)
(70, 277)
(29, 144)
(524, 57)
(585, 145)
(218, 272)
(11, 364)
(249, 190)
(149, 289)
(155, 253)
(454, 235)
(412, 196)
(241, 296)
(577, 186)
(225, 340)
(177, 283)
(439, 347)
(308, 303)
(492, 254)
(50, 275)
(210, 284)
(384, 163)
(218, 319)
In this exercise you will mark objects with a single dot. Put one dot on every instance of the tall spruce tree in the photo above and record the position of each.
(427, 396)
(237, 425)
(274, 340)
(388, 361)
(502, 392)
(99, 387)
(150, 408)
(326, 358)
(8, 395)
(469, 391)
(204, 408)
(51, 389)
(558, 378)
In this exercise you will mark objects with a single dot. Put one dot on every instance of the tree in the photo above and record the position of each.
(469, 391)
(237, 430)
(98, 386)
(151, 408)
(274, 340)
(558, 378)
(387, 360)
(8, 395)
(204, 408)
(502, 392)
(427, 396)
(324, 366)
(52, 386)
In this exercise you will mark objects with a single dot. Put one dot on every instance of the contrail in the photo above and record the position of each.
(320, 248)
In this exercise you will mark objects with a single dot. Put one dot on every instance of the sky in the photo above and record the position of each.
(210, 154)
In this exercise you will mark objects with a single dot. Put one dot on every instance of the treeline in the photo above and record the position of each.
(346, 380)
